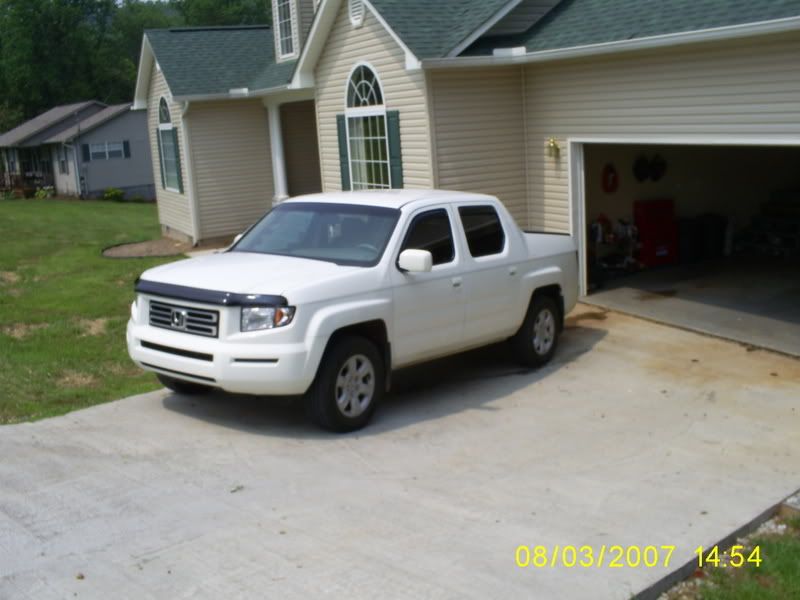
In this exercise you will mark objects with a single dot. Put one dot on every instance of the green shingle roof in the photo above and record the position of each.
(432, 28)
(584, 22)
(214, 60)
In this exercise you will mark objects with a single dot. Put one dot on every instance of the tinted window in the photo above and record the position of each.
(431, 231)
(484, 232)
(340, 233)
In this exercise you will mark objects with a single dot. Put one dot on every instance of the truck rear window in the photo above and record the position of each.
(485, 235)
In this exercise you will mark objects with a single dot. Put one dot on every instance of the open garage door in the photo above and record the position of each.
(702, 237)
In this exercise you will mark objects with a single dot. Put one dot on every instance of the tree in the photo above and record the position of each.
(225, 12)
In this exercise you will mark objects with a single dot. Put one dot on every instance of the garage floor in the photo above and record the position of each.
(755, 302)
(637, 434)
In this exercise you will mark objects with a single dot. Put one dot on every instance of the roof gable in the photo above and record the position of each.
(212, 61)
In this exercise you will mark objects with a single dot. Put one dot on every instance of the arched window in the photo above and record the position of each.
(163, 112)
(168, 155)
(367, 140)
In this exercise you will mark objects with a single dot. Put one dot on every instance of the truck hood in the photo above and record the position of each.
(246, 273)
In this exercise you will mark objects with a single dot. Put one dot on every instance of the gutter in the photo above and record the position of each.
(233, 94)
(518, 56)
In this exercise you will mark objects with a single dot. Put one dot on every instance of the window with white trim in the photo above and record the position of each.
(283, 17)
(168, 149)
(367, 141)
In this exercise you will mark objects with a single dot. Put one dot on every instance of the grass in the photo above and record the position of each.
(64, 308)
(778, 577)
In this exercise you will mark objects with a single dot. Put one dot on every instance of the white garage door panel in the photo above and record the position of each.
(741, 91)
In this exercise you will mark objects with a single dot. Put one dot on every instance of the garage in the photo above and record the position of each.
(705, 237)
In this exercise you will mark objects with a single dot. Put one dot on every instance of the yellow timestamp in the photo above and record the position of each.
(612, 557)
(736, 557)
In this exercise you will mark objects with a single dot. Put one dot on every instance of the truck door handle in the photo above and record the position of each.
(456, 282)
(512, 271)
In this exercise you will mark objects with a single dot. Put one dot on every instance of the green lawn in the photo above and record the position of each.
(778, 577)
(63, 307)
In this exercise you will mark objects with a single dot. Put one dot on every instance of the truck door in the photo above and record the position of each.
(428, 307)
(491, 281)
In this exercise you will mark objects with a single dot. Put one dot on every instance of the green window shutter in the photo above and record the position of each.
(395, 150)
(126, 149)
(178, 158)
(87, 157)
(161, 160)
(344, 158)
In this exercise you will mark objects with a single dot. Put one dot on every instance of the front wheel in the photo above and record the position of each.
(535, 342)
(348, 387)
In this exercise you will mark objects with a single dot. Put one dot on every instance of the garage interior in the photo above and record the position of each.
(701, 237)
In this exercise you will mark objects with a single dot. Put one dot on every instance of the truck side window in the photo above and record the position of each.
(485, 235)
(431, 231)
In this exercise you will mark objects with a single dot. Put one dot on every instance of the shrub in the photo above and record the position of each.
(114, 195)
(44, 193)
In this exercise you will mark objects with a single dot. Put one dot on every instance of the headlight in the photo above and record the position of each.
(255, 318)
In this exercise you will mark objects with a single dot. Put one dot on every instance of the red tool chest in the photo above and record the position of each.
(658, 231)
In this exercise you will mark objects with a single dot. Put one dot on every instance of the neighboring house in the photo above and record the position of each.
(26, 159)
(81, 149)
(523, 99)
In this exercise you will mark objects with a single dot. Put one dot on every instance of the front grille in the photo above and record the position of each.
(196, 321)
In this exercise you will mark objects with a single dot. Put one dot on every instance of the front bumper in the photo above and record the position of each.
(261, 369)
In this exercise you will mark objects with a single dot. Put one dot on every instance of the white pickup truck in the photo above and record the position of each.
(328, 293)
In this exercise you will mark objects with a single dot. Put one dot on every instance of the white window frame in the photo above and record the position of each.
(379, 110)
(161, 128)
(292, 22)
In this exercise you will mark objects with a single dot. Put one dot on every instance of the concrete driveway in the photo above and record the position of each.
(638, 434)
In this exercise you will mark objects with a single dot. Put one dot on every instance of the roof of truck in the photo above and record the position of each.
(389, 198)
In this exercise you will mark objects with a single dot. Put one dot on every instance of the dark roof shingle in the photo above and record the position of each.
(586, 22)
(89, 123)
(41, 122)
(432, 28)
(203, 61)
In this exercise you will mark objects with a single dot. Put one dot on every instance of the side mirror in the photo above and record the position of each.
(415, 261)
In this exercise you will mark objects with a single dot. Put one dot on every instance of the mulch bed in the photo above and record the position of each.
(149, 249)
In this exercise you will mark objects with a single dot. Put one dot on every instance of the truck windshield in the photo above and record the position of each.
(345, 234)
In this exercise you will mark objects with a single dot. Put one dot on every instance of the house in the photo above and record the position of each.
(547, 104)
(80, 149)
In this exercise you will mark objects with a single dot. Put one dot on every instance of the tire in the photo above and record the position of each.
(178, 386)
(349, 385)
(536, 341)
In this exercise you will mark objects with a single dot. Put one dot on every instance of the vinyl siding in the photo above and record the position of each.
(299, 129)
(231, 164)
(173, 208)
(478, 138)
(305, 10)
(403, 90)
(748, 89)
(64, 182)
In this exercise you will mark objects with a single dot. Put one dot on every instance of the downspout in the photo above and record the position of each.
(194, 208)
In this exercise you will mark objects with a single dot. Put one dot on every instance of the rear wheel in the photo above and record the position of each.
(536, 341)
(182, 387)
(348, 387)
